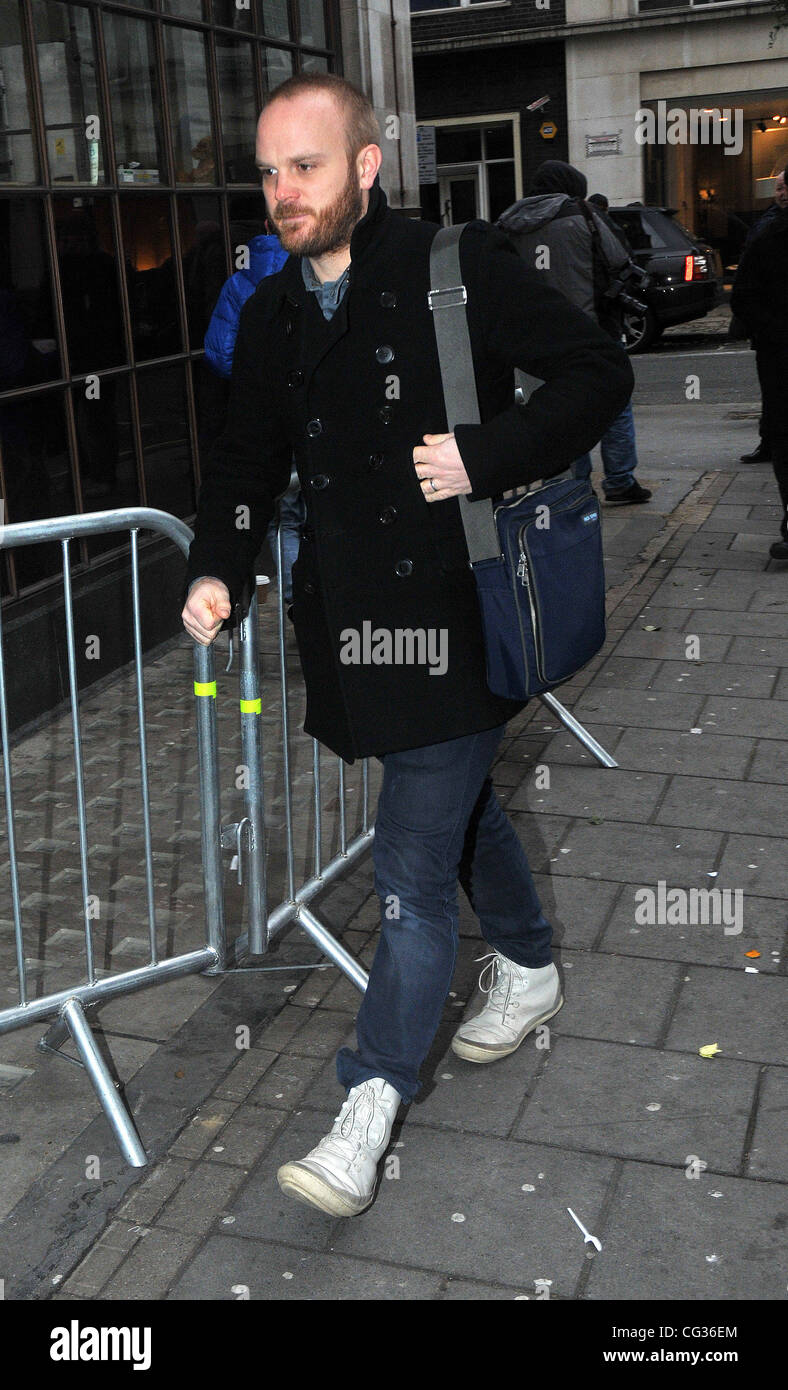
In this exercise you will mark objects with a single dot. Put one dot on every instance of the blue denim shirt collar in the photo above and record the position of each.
(329, 294)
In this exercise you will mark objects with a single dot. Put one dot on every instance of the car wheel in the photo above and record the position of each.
(640, 330)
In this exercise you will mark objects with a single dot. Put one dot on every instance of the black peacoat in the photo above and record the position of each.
(348, 399)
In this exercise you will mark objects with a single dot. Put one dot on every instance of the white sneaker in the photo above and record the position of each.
(519, 998)
(338, 1175)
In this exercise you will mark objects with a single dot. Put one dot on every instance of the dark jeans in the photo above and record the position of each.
(438, 821)
(761, 367)
(774, 374)
(619, 454)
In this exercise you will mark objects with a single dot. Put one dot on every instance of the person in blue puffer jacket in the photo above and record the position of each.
(266, 257)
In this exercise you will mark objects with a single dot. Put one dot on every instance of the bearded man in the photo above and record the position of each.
(336, 362)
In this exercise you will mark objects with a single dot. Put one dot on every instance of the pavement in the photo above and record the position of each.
(675, 1161)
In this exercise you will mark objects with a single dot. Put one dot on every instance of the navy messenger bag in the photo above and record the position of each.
(537, 558)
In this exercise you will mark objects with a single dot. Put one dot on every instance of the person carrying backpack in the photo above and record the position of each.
(557, 233)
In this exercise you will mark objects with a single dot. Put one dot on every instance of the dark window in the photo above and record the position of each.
(28, 336)
(313, 23)
(186, 82)
(134, 93)
(500, 183)
(110, 270)
(37, 480)
(169, 474)
(89, 283)
(73, 114)
(274, 19)
(201, 242)
(151, 275)
(235, 72)
(227, 13)
(455, 146)
(18, 156)
(499, 141)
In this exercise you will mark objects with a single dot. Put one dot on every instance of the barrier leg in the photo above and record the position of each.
(96, 1068)
(575, 727)
(331, 947)
(251, 756)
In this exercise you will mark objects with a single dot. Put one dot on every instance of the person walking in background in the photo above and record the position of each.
(266, 257)
(559, 235)
(763, 453)
(760, 300)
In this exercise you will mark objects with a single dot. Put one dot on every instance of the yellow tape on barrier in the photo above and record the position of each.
(251, 707)
(205, 688)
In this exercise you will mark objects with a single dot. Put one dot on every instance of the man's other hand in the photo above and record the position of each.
(206, 608)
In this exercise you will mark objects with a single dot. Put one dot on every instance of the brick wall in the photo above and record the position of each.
(519, 15)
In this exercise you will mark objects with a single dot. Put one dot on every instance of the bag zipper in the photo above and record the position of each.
(523, 576)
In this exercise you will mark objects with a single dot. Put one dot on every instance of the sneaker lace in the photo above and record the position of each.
(354, 1123)
(498, 987)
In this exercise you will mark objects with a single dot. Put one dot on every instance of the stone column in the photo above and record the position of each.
(376, 56)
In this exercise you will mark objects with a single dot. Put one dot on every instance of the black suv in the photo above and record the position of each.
(685, 274)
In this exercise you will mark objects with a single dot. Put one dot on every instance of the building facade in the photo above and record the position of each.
(683, 61)
(490, 96)
(128, 190)
(481, 65)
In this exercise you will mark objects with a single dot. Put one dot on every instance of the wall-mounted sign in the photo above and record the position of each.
(425, 153)
(602, 144)
(548, 130)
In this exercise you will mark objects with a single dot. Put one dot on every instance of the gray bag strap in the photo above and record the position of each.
(447, 299)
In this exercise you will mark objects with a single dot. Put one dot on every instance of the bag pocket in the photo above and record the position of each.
(567, 580)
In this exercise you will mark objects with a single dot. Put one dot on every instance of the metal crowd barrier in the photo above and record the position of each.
(264, 921)
(66, 1009)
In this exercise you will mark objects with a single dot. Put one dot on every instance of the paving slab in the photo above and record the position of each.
(594, 793)
(620, 851)
(691, 1240)
(577, 909)
(764, 927)
(631, 708)
(768, 1153)
(619, 998)
(708, 678)
(770, 761)
(756, 865)
(638, 1102)
(711, 803)
(677, 750)
(229, 1268)
(744, 1014)
(512, 1199)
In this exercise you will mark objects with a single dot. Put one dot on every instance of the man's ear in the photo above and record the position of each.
(369, 161)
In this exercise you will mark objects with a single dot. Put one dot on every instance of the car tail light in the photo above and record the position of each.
(696, 267)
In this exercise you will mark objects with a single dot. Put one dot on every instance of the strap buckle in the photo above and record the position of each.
(448, 304)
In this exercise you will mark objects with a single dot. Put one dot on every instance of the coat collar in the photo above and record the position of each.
(362, 238)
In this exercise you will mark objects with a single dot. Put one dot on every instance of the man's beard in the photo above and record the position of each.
(331, 228)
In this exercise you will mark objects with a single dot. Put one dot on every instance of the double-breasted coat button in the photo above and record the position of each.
(309, 588)
(314, 427)
(289, 328)
(386, 414)
(295, 378)
(388, 299)
(387, 515)
(320, 481)
(375, 462)
(384, 353)
(404, 568)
